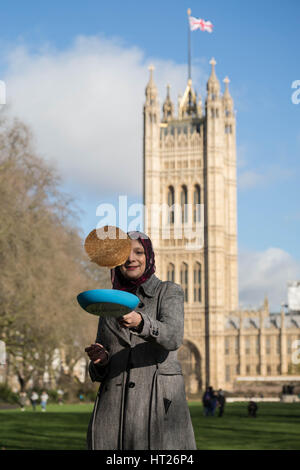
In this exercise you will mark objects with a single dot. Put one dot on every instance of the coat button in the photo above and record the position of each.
(131, 384)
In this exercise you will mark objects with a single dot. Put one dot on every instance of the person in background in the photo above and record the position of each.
(34, 399)
(213, 401)
(206, 400)
(44, 399)
(221, 402)
(81, 398)
(252, 409)
(60, 394)
(22, 400)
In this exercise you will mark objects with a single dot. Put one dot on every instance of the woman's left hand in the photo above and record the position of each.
(130, 320)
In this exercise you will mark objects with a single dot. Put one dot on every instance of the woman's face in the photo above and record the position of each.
(135, 265)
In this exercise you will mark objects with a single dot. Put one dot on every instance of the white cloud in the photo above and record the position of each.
(269, 175)
(266, 273)
(85, 107)
(249, 179)
(241, 160)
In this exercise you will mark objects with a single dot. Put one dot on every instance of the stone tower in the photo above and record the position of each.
(190, 166)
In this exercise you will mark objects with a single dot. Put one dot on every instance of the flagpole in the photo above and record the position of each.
(189, 46)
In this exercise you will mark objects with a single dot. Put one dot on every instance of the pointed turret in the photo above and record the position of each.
(227, 99)
(151, 107)
(168, 107)
(213, 102)
(226, 95)
(179, 99)
(199, 106)
(151, 89)
(213, 84)
(151, 141)
(266, 305)
(228, 109)
(188, 103)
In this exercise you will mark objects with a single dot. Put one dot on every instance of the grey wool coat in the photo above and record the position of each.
(141, 403)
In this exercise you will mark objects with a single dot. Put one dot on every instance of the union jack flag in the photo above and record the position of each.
(197, 23)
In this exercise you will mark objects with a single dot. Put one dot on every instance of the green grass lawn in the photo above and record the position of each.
(277, 426)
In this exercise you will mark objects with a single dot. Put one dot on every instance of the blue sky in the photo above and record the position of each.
(255, 43)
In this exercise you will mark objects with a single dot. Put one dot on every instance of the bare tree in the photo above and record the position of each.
(43, 265)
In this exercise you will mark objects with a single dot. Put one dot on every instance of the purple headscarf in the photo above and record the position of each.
(119, 281)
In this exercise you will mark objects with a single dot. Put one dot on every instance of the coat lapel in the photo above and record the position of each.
(149, 287)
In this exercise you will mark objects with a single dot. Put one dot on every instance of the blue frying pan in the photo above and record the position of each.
(107, 302)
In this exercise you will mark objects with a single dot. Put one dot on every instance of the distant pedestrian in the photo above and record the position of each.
(34, 399)
(221, 402)
(252, 409)
(22, 400)
(44, 399)
(212, 402)
(81, 397)
(206, 400)
(60, 394)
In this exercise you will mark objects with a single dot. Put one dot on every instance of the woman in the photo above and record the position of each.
(34, 399)
(44, 399)
(141, 403)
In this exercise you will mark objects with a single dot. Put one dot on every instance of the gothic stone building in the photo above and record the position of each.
(190, 163)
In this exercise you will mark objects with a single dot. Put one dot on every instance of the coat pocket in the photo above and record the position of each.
(167, 404)
(166, 392)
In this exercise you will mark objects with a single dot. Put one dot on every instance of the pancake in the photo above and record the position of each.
(108, 246)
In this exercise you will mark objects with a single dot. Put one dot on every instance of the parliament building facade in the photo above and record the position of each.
(190, 165)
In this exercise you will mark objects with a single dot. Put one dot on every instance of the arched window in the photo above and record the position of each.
(184, 280)
(183, 202)
(197, 282)
(227, 344)
(171, 201)
(171, 272)
(247, 345)
(268, 345)
(197, 202)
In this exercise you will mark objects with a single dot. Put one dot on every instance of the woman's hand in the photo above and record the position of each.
(130, 320)
(97, 353)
